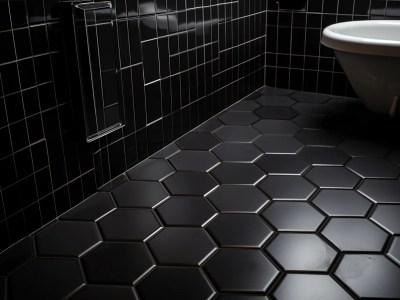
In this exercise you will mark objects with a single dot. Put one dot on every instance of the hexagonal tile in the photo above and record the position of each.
(244, 106)
(309, 97)
(278, 144)
(186, 211)
(293, 216)
(333, 177)
(139, 194)
(181, 246)
(91, 209)
(190, 183)
(354, 234)
(237, 173)
(241, 297)
(282, 164)
(129, 225)
(45, 278)
(370, 276)
(239, 230)
(120, 263)
(394, 251)
(101, 292)
(192, 160)
(324, 156)
(150, 169)
(387, 216)
(272, 91)
(282, 127)
(395, 157)
(17, 255)
(310, 286)
(276, 112)
(238, 199)
(197, 141)
(166, 152)
(283, 101)
(238, 118)
(363, 148)
(240, 270)
(342, 203)
(209, 126)
(311, 121)
(233, 133)
(343, 104)
(277, 187)
(312, 109)
(237, 152)
(175, 283)
(301, 252)
(113, 183)
(67, 238)
(381, 191)
(317, 137)
(373, 167)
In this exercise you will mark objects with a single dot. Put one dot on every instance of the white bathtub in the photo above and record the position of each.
(369, 52)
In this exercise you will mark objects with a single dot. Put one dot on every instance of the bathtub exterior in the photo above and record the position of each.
(375, 79)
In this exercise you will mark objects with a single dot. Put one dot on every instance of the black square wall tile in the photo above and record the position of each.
(175, 283)
(190, 246)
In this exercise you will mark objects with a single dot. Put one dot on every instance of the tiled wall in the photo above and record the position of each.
(295, 58)
(180, 63)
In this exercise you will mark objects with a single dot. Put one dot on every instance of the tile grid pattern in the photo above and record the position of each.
(295, 58)
(307, 209)
(207, 55)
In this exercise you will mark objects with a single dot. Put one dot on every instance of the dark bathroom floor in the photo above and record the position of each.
(285, 195)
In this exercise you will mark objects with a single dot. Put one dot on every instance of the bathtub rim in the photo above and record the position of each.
(354, 44)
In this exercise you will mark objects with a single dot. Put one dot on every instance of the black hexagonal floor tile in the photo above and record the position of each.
(312, 109)
(181, 246)
(145, 194)
(310, 286)
(283, 101)
(276, 112)
(363, 148)
(238, 118)
(310, 97)
(238, 199)
(198, 141)
(102, 292)
(293, 216)
(278, 144)
(45, 278)
(324, 156)
(287, 187)
(209, 126)
(311, 121)
(381, 191)
(176, 283)
(301, 252)
(201, 161)
(282, 127)
(239, 230)
(17, 255)
(117, 263)
(241, 270)
(233, 133)
(129, 225)
(190, 183)
(282, 164)
(373, 167)
(241, 297)
(186, 211)
(394, 156)
(333, 177)
(150, 169)
(237, 173)
(67, 238)
(166, 152)
(237, 152)
(394, 251)
(316, 137)
(244, 106)
(388, 217)
(91, 209)
(342, 203)
(370, 276)
(272, 91)
(355, 234)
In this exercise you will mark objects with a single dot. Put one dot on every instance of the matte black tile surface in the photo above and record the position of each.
(312, 137)
(282, 164)
(388, 217)
(150, 169)
(282, 127)
(394, 251)
(371, 167)
(101, 292)
(238, 118)
(244, 106)
(237, 152)
(276, 112)
(363, 148)
(381, 191)
(287, 187)
(200, 161)
(333, 177)
(276, 101)
(324, 156)
(190, 183)
(237, 173)
(197, 141)
(234, 133)
(278, 144)
(16, 256)
(309, 97)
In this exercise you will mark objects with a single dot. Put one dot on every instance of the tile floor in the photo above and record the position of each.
(285, 195)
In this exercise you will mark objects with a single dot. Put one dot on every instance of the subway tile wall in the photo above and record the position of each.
(295, 58)
(180, 62)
